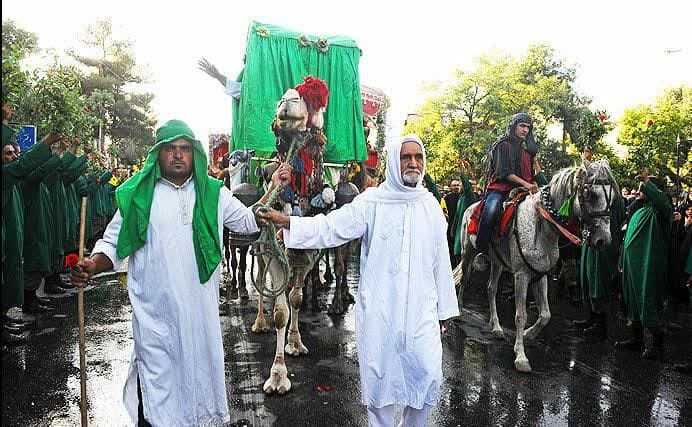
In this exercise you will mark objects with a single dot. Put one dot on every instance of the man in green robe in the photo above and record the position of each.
(644, 266)
(39, 226)
(14, 170)
(597, 272)
(467, 198)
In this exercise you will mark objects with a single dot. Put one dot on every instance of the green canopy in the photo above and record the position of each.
(277, 59)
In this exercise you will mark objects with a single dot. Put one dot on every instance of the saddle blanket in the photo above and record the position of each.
(507, 215)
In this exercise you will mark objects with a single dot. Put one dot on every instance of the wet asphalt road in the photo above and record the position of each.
(576, 381)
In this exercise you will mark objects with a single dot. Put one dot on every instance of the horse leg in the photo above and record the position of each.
(540, 292)
(495, 272)
(337, 305)
(278, 378)
(232, 290)
(328, 276)
(521, 363)
(260, 326)
(242, 269)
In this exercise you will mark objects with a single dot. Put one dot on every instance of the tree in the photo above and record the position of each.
(650, 133)
(17, 44)
(461, 120)
(124, 113)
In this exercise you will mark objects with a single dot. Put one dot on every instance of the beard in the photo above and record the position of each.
(410, 178)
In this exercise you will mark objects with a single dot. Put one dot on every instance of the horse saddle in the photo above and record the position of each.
(510, 209)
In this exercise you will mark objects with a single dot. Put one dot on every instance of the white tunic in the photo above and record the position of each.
(406, 287)
(178, 352)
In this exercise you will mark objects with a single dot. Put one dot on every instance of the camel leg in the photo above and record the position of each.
(315, 285)
(328, 276)
(242, 269)
(278, 378)
(260, 326)
(540, 291)
(232, 290)
(345, 294)
(295, 345)
(495, 272)
(521, 363)
(337, 305)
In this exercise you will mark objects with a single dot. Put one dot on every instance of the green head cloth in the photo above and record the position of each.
(135, 196)
(8, 135)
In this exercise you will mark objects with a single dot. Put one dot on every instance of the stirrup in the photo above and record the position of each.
(481, 262)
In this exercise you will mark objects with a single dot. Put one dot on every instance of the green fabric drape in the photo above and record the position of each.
(279, 62)
(135, 196)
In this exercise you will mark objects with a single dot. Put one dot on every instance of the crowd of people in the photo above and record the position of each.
(42, 189)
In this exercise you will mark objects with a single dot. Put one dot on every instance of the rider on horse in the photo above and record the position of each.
(510, 165)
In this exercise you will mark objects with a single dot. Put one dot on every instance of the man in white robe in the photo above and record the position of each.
(406, 290)
(170, 221)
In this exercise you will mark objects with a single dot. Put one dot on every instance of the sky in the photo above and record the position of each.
(619, 48)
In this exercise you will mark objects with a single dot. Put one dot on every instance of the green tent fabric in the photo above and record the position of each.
(275, 61)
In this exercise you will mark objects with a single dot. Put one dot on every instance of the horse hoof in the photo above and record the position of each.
(244, 296)
(233, 294)
(498, 333)
(522, 365)
(350, 299)
(336, 307)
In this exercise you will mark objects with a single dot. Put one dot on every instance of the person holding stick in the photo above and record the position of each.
(169, 222)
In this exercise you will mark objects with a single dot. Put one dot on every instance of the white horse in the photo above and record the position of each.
(529, 248)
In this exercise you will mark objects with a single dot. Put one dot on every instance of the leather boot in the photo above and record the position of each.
(654, 348)
(635, 341)
(586, 322)
(599, 329)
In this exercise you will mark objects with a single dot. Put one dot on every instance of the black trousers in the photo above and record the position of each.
(141, 422)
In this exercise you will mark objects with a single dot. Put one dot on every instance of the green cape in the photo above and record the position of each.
(135, 195)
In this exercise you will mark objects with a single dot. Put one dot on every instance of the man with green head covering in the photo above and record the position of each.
(14, 171)
(169, 222)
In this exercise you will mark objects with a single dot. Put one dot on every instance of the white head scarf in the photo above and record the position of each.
(393, 188)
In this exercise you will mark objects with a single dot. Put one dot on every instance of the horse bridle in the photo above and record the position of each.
(587, 216)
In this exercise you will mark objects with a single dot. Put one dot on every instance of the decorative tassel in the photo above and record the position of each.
(566, 208)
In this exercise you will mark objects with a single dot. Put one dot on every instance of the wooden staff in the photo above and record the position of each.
(80, 308)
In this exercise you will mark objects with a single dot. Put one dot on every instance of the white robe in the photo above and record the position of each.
(178, 352)
(406, 287)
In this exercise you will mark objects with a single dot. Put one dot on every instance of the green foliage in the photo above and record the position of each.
(650, 132)
(51, 100)
(460, 121)
(16, 45)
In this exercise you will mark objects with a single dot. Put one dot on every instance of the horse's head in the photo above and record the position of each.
(595, 191)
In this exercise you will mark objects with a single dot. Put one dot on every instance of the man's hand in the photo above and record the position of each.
(279, 219)
(282, 175)
(643, 175)
(536, 166)
(532, 187)
(444, 327)
(211, 70)
(51, 138)
(80, 275)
